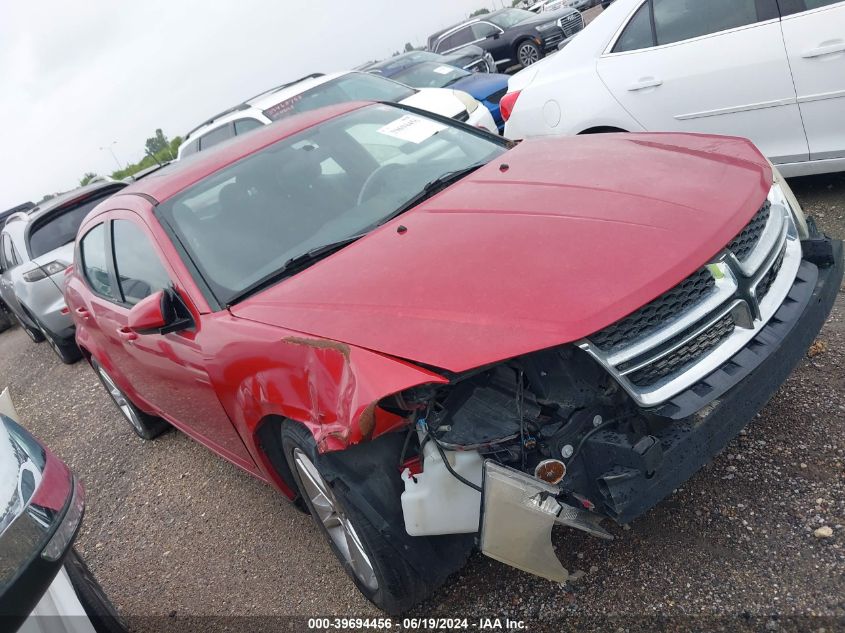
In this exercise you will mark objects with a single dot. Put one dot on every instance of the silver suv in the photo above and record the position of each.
(35, 248)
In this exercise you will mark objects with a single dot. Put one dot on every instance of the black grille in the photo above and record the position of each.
(686, 354)
(572, 24)
(744, 243)
(656, 314)
(766, 282)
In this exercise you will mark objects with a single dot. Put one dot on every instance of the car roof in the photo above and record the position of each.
(260, 102)
(62, 200)
(399, 60)
(179, 175)
(476, 18)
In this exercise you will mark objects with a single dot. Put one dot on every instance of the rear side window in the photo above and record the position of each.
(818, 4)
(92, 249)
(638, 33)
(483, 30)
(214, 137)
(60, 228)
(678, 20)
(788, 7)
(456, 39)
(190, 148)
(139, 270)
(242, 126)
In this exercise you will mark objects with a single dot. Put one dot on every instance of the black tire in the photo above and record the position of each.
(399, 584)
(102, 613)
(67, 351)
(528, 53)
(145, 425)
(5, 318)
(33, 333)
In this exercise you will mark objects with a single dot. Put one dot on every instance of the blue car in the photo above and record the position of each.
(472, 58)
(488, 88)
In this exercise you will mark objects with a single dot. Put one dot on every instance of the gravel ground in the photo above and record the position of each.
(173, 532)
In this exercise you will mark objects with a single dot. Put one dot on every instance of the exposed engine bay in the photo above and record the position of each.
(554, 415)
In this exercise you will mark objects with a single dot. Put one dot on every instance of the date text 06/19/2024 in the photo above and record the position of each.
(410, 624)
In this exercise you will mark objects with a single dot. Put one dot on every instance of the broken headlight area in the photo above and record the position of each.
(554, 416)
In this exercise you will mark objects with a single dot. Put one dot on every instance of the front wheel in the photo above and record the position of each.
(100, 611)
(146, 426)
(376, 567)
(528, 53)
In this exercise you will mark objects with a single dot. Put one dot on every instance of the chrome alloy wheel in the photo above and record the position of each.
(528, 54)
(338, 526)
(29, 331)
(50, 340)
(120, 400)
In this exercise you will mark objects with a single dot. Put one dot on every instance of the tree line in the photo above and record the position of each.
(158, 149)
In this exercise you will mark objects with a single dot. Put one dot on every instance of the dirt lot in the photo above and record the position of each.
(174, 532)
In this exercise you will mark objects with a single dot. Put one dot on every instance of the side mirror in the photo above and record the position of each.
(150, 314)
(159, 314)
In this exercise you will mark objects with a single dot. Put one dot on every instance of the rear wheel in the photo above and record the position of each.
(33, 333)
(527, 53)
(5, 318)
(342, 506)
(67, 351)
(145, 425)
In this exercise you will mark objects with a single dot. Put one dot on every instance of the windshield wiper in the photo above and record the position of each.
(298, 262)
(432, 187)
(292, 266)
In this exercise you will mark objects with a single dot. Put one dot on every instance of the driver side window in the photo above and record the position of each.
(139, 271)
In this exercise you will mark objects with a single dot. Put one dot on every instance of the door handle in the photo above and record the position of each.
(828, 48)
(126, 334)
(644, 83)
(82, 312)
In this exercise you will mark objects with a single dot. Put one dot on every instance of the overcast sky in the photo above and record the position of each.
(77, 76)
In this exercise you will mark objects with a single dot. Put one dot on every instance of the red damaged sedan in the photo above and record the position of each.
(438, 340)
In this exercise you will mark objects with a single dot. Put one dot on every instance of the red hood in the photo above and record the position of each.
(574, 235)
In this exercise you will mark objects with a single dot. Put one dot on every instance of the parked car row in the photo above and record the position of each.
(470, 58)
(437, 339)
(486, 88)
(319, 90)
(769, 70)
(554, 5)
(511, 36)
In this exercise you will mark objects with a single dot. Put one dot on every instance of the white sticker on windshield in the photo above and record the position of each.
(443, 70)
(412, 129)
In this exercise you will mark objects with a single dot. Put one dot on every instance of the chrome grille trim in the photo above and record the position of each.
(571, 24)
(682, 341)
(773, 232)
(735, 293)
(726, 287)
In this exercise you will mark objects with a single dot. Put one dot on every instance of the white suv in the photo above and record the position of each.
(769, 70)
(317, 90)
